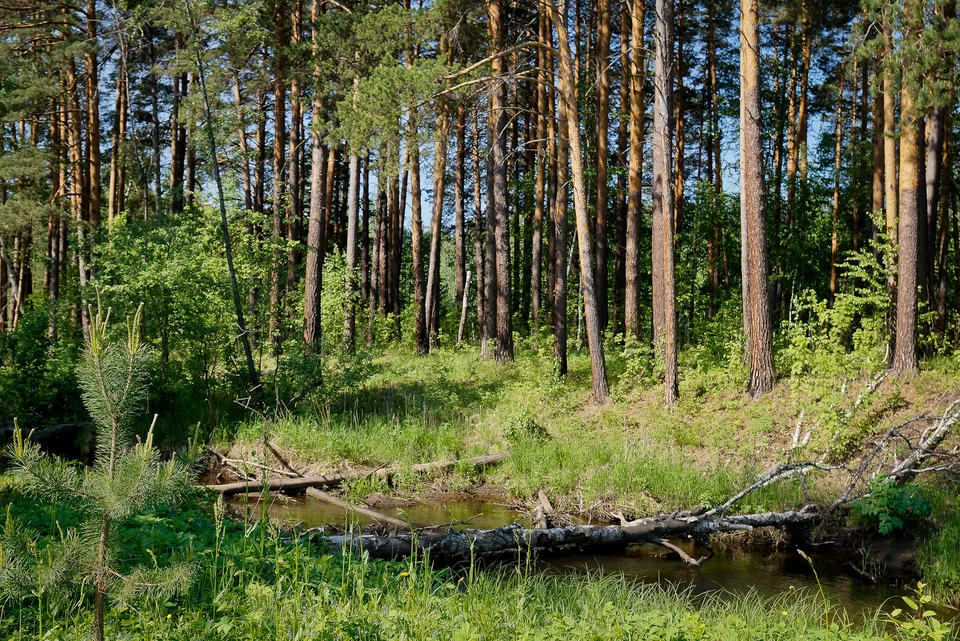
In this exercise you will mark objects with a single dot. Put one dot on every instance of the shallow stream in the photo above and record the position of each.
(770, 574)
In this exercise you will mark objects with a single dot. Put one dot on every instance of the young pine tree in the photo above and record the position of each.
(127, 477)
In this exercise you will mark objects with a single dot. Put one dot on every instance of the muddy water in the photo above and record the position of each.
(769, 574)
(476, 515)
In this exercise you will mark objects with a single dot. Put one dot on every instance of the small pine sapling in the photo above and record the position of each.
(127, 477)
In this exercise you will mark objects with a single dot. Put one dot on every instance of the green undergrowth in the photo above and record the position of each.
(251, 582)
(633, 453)
(938, 558)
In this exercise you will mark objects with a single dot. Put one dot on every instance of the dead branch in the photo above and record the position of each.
(356, 509)
(294, 485)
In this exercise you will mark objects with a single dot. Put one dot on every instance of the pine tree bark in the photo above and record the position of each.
(460, 258)
(910, 210)
(93, 114)
(891, 173)
(313, 280)
(603, 125)
(663, 194)
(753, 206)
(116, 194)
(568, 97)
(560, 243)
(350, 281)
(536, 252)
(436, 222)
(634, 175)
(498, 107)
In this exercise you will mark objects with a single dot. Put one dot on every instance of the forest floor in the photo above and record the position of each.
(632, 455)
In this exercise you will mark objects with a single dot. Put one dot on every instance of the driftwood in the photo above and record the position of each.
(357, 509)
(514, 540)
(294, 485)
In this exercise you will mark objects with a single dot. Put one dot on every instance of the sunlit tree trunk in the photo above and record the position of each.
(663, 193)
(634, 171)
(753, 206)
(603, 124)
(568, 98)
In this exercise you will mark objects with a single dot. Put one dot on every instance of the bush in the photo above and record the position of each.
(890, 507)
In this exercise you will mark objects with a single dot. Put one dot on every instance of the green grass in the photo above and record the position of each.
(253, 583)
(632, 454)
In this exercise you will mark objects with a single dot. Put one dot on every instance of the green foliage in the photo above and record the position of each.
(919, 622)
(127, 478)
(889, 507)
(524, 427)
(845, 337)
(938, 560)
(38, 383)
(254, 582)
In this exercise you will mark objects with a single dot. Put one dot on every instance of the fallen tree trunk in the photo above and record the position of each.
(514, 540)
(294, 485)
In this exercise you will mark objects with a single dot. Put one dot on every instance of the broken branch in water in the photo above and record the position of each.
(357, 509)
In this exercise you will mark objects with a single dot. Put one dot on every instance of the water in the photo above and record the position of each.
(769, 574)
(461, 514)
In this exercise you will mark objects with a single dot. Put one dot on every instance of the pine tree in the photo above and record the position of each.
(127, 478)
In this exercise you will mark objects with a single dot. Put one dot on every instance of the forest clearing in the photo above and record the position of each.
(586, 319)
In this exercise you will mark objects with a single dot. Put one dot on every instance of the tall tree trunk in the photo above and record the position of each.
(244, 148)
(436, 222)
(834, 236)
(313, 280)
(568, 97)
(498, 107)
(560, 242)
(281, 35)
(890, 172)
(115, 197)
(635, 178)
(623, 145)
(877, 183)
(295, 203)
(350, 282)
(79, 177)
(178, 137)
(422, 339)
(460, 230)
(910, 210)
(663, 194)
(93, 114)
(478, 238)
(536, 251)
(760, 336)
(603, 124)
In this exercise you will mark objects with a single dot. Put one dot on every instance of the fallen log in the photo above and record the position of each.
(356, 509)
(332, 480)
(51, 433)
(514, 540)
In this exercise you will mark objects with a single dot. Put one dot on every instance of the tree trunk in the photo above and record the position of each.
(908, 229)
(753, 205)
(560, 241)
(603, 124)
(663, 193)
(634, 176)
(436, 223)
(93, 115)
(460, 230)
(834, 237)
(350, 282)
(536, 249)
(568, 94)
(115, 197)
(890, 172)
(498, 107)
(313, 280)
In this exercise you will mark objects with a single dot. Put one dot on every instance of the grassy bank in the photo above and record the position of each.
(633, 454)
(253, 583)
